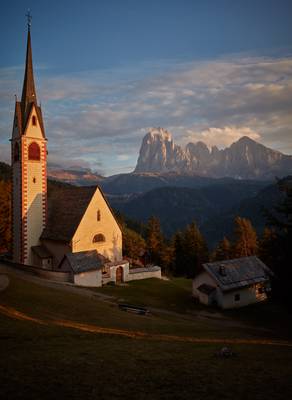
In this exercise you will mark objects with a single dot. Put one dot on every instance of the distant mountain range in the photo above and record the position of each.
(213, 206)
(244, 159)
(181, 185)
(75, 177)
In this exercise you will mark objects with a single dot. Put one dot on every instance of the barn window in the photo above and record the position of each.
(34, 121)
(16, 152)
(237, 297)
(34, 151)
(98, 215)
(99, 238)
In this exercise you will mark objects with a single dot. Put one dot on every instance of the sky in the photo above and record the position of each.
(107, 71)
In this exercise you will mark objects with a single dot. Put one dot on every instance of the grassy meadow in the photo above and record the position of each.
(42, 357)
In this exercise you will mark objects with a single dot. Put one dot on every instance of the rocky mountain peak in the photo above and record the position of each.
(244, 159)
(159, 134)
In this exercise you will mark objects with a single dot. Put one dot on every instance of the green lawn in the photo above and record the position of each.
(48, 361)
(174, 294)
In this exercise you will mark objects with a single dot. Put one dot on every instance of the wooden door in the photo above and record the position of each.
(119, 275)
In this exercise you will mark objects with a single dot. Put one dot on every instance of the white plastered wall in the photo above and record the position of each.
(202, 278)
(34, 187)
(16, 196)
(248, 295)
(107, 226)
(89, 278)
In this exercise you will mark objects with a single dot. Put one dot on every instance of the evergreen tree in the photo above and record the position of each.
(133, 244)
(268, 247)
(154, 240)
(167, 257)
(179, 256)
(223, 250)
(246, 243)
(279, 248)
(195, 249)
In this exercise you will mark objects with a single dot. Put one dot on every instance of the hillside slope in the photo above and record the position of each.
(51, 348)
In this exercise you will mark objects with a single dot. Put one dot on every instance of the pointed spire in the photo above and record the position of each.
(28, 91)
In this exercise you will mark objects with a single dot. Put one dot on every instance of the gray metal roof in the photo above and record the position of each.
(238, 273)
(84, 261)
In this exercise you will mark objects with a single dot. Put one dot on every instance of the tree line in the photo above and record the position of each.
(187, 250)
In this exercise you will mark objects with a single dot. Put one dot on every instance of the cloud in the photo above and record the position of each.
(98, 118)
(222, 137)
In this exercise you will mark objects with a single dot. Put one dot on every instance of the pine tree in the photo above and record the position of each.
(133, 244)
(246, 243)
(154, 240)
(268, 247)
(279, 249)
(223, 250)
(179, 256)
(196, 250)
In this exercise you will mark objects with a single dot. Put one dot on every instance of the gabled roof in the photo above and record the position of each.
(66, 207)
(41, 251)
(84, 261)
(206, 289)
(238, 273)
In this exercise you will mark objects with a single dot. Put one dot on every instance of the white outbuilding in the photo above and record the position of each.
(232, 283)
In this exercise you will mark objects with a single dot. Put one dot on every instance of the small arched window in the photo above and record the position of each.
(16, 152)
(34, 152)
(98, 238)
(34, 121)
(98, 215)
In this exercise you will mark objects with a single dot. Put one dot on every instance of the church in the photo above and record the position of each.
(72, 230)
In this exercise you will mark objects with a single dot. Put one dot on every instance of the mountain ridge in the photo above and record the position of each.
(243, 159)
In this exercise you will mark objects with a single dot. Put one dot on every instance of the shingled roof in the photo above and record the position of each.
(238, 273)
(66, 207)
(84, 261)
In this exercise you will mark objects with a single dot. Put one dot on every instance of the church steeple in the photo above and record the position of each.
(28, 90)
(29, 168)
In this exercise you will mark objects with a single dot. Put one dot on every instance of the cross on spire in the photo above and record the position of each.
(29, 18)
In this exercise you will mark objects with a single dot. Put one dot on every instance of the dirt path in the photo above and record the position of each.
(15, 314)
(215, 318)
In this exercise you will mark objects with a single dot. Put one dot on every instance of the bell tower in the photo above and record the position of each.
(29, 167)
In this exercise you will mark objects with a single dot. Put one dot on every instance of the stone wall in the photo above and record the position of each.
(144, 273)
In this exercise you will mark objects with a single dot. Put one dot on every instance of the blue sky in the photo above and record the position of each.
(108, 70)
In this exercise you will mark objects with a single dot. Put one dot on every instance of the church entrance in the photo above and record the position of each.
(119, 275)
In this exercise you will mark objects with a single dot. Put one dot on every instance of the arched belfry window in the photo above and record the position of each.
(16, 152)
(34, 120)
(34, 152)
(98, 238)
